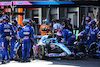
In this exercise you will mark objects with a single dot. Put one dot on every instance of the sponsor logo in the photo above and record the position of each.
(57, 55)
(7, 30)
(26, 33)
(6, 26)
(5, 3)
(21, 3)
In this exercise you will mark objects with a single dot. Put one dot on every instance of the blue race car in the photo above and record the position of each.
(49, 47)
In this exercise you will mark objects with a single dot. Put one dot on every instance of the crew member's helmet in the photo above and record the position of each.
(88, 18)
(46, 20)
(24, 21)
(5, 17)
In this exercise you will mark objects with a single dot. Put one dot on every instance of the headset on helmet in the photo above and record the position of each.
(28, 21)
(31, 21)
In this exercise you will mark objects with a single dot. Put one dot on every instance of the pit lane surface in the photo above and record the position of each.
(87, 62)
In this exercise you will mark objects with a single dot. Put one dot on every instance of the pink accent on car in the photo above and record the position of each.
(73, 53)
(59, 33)
(62, 40)
(65, 54)
(25, 38)
(36, 48)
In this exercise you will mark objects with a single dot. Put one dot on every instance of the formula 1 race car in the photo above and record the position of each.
(49, 47)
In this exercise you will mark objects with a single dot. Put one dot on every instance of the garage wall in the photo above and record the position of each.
(73, 13)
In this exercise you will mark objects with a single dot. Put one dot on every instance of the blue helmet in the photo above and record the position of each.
(24, 20)
(5, 17)
(28, 21)
(1, 20)
(46, 20)
(19, 26)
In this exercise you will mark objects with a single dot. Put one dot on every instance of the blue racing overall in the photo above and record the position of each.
(27, 32)
(13, 42)
(19, 36)
(5, 30)
(93, 35)
(68, 37)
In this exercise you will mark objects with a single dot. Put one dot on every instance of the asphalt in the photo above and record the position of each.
(56, 62)
(85, 62)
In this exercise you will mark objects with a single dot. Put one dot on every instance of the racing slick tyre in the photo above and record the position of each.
(79, 50)
(92, 50)
(81, 47)
(41, 52)
(19, 52)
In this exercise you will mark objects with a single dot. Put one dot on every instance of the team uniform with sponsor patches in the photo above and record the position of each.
(68, 37)
(18, 44)
(27, 32)
(5, 30)
(87, 27)
(13, 42)
(93, 35)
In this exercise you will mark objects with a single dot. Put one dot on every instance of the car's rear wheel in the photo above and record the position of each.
(19, 52)
(92, 50)
(81, 47)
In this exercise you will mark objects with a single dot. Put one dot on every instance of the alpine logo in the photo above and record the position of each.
(20, 3)
(5, 3)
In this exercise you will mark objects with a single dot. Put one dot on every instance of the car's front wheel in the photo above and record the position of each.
(41, 52)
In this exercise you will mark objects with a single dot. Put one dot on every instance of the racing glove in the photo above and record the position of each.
(8, 38)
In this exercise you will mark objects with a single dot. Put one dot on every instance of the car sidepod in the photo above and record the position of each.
(65, 51)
